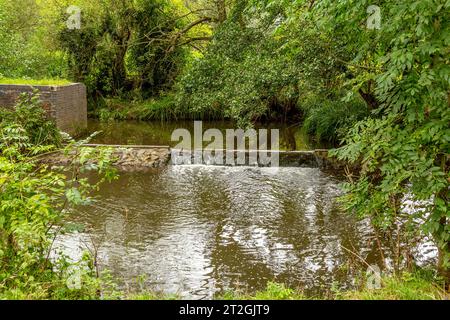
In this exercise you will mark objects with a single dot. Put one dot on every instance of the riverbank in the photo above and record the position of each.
(164, 108)
(417, 285)
(421, 284)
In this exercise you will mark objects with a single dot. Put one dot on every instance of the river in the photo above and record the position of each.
(198, 230)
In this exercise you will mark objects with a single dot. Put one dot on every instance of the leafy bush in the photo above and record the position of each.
(33, 202)
(30, 119)
(27, 46)
(403, 147)
(122, 49)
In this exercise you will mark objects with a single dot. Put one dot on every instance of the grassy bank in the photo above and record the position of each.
(419, 285)
(164, 108)
(408, 286)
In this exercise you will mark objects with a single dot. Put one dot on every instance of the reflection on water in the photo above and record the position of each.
(292, 137)
(200, 230)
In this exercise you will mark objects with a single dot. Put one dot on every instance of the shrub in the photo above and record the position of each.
(33, 202)
(29, 117)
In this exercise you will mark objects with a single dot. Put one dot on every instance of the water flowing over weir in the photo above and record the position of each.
(138, 158)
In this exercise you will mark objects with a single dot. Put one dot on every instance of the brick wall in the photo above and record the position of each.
(66, 104)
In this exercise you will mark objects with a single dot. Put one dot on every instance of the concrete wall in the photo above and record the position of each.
(66, 104)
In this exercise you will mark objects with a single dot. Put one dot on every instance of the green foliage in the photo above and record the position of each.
(33, 202)
(273, 291)
(154, 67)
(419, 285)
(34, 82)
(27, 127)
(163, 109)
(244, 74)
(27, 48)
(328, 120)
(112, 53)
(270, 60)
(404, 147)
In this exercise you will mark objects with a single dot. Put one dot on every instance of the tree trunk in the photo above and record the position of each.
(221, 11)
(369, 98)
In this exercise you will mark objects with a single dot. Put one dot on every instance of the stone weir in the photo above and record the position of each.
(312, 158)
(139, 157)
(125, 158)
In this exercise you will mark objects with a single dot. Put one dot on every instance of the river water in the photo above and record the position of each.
(291, 136)
(201, 230)
(198, 231)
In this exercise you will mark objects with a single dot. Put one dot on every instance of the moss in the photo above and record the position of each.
(34, 82)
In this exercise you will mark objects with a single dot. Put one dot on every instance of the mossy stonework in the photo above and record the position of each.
(135, 157)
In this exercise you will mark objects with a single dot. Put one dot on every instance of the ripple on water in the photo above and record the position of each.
(197, 230)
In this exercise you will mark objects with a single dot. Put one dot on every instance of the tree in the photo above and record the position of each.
(404, 146)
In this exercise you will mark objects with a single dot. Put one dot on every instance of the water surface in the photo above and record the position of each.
(202, 230)
(291, 136)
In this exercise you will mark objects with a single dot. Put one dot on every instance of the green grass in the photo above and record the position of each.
(419, 285)
(35, 82)
(119, 109)
(164, 108)
(326, 119)
(152, 296)
(273, 291)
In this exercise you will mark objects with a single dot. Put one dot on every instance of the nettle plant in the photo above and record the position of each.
(35, 199)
